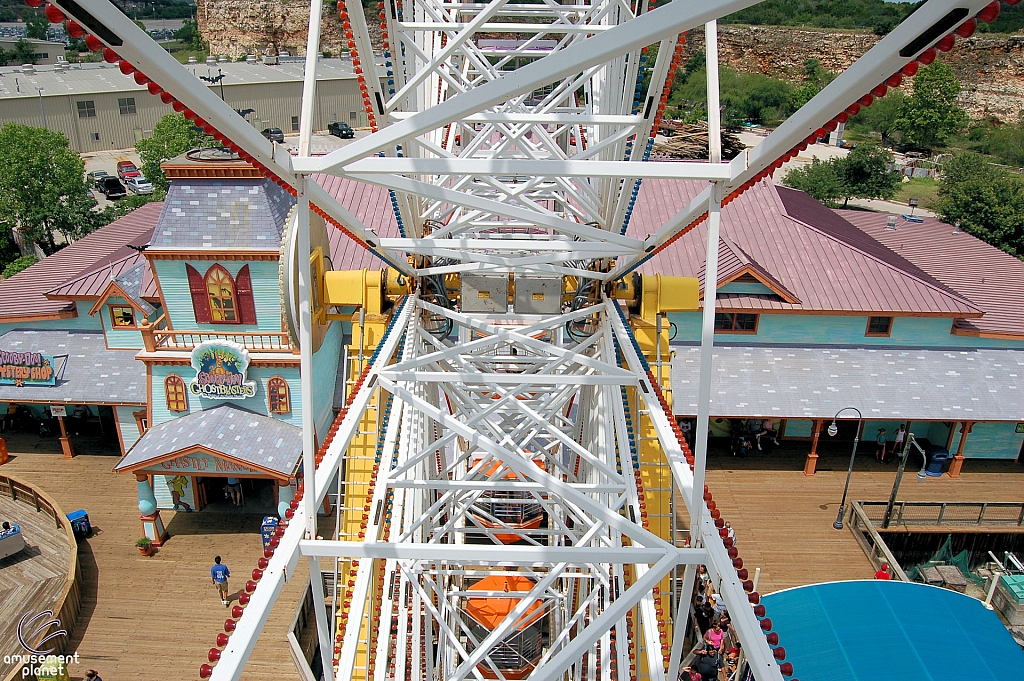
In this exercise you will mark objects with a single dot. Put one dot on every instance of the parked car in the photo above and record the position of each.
(126, 169)
(112, 188)
(274, 135)
(139, 185)
(95, 178)
(342, 130)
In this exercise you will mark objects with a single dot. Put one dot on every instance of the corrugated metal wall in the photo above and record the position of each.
(275, 105)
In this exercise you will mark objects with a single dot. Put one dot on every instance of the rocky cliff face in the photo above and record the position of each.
(991, 69)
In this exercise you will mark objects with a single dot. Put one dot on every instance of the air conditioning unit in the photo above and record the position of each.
(269, 60)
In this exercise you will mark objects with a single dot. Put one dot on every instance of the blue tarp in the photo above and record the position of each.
(877, 630)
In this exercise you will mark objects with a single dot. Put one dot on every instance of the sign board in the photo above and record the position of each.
(26, 368)
(267, 529)
(221, 368)
(58, 410)
(1020, 428)
(205, 464)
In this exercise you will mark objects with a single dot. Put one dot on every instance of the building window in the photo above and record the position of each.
(220, 289)
(352, 115)
(126, 105)
(87, 109)
(41, 55)
(174, 391)
(95, 137)
(277, 396)
(295, 123)
(122, 316)
(879, 326)
(735, 322)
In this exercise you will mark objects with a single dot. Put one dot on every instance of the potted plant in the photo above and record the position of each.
(145, 545)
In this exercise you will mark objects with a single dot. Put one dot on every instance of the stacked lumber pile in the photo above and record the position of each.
(690, 141)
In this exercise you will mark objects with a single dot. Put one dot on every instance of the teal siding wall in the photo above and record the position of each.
(325, 373)
(128, 426)
(746, 287)
(990, 440)
(795, 329)
(257, 404)
(799, 428)
(83, 322)
(119, 338)
(265, 289)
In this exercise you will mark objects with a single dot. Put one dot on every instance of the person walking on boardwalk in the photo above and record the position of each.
(219, 573)
(880, 446)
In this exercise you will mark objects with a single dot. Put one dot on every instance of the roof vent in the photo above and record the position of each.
(211, 59)
(250, 59)
(284, 53)
(270, 60)
(222, 57)
(890, 223)
(191, 60)
(28, 68)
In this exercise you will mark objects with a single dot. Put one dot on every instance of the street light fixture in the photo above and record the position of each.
(41, 109)
(832, 430)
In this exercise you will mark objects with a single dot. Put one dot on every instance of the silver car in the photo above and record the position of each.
(139, 185)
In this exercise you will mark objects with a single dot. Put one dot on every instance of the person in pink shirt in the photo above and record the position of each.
(715, 635)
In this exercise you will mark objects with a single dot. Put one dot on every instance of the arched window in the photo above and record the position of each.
(174, 391)
(220, 289)
(277, 396)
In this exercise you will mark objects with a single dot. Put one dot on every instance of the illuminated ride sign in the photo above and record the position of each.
(26, 368)
(221, 371)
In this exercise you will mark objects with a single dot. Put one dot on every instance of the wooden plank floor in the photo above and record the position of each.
(161, 613)
(144, 618)
(783, 519)
(31, 580)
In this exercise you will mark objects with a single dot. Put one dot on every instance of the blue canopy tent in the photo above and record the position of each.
(878, 630)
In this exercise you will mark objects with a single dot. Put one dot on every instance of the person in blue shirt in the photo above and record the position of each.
(219, 574)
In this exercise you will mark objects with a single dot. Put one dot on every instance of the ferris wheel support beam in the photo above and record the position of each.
(659, 24)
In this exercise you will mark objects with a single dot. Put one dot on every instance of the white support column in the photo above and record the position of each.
(714, 101)
(323, 627)
(316, 10)
(309, 498)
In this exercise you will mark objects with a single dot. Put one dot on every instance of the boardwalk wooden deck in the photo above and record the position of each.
(145, 618)
(33, 579)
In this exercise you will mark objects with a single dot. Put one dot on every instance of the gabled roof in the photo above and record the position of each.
(23, 296)
(261, 441)
(132, 273)
(823, 263)
(992, 279)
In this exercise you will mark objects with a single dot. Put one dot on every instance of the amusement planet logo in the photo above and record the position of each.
(40, 659)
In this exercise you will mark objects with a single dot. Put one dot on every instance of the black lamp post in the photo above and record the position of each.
(832, 430)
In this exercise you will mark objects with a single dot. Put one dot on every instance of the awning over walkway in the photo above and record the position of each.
(84, 370)
(223, 441)
(884, 382)
(872, 630)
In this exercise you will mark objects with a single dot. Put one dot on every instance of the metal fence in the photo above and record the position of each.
(958, 513)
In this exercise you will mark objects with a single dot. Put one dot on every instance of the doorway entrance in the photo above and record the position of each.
(256, 495)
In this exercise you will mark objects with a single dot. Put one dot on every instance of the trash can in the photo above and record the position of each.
(937, 457)
(267, 529)
(80, 524)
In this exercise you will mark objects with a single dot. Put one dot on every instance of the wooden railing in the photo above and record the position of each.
(957, 513)
(154, 339)
(69, 604)
(874, 546)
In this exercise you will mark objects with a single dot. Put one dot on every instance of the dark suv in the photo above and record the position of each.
(112, 188)
(274, 135)
(342, 130)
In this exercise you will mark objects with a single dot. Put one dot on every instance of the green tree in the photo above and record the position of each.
(190, 35)
(24, 52)
(819, 179)
(22, 263)
(864, 174)
(985, 199)
(881, 116)
(36, 25)
(931, 115)
(42, 189)
(172, 135)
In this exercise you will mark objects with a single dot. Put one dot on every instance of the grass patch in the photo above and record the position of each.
(182, 51)
(924, 189)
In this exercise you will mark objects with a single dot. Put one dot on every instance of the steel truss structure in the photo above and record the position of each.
(513, 137)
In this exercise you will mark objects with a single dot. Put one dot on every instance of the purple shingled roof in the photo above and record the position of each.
(92, 284)
(992, 279)
(24, 295)
(824, 264)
